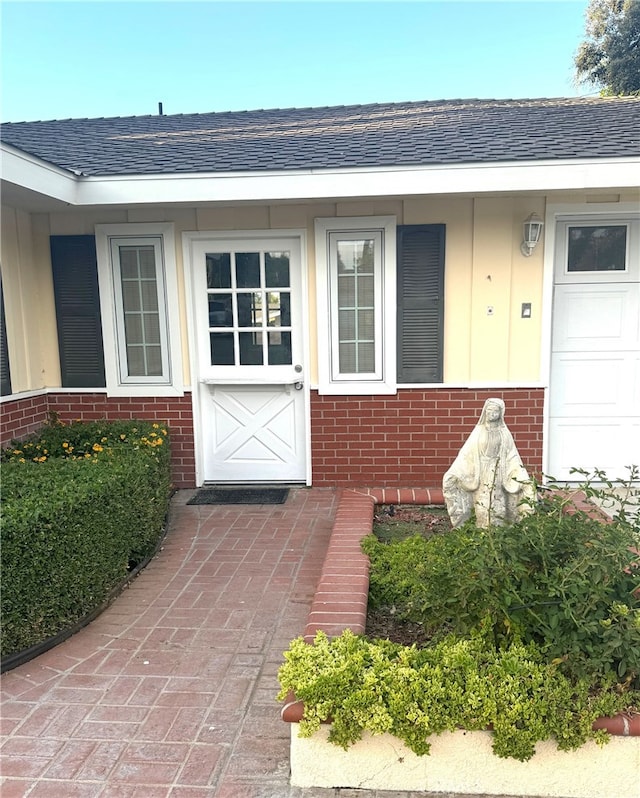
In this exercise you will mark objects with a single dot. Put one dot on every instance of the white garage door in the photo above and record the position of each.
(594, 400)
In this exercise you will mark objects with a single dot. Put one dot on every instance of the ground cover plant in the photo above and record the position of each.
(82, 505)
(531, 629)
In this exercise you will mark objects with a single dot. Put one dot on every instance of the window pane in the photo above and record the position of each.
(366, 358)
(347, 291)
(219, 270)
(154, 361)
(221, 349)
(348, 358)
(147, 258)
(248, 269)
(597, 249)
(366, 291)
(135, 361)
(250, 310)
(366, 325)
(347, 325)
(149, 295)
(133, 328)
(279, 309)
(220, 310)
(355, 256)
(276, 269)
(279, 346)
(131, 298)
(151, 329)
(128, 262)
(250, 348)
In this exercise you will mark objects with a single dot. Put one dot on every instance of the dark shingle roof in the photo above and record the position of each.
(377, 135)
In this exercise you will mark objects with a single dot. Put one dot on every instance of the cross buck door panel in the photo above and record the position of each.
(594, 398)
(252, 400)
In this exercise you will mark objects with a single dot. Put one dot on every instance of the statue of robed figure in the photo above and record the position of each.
(487, 477)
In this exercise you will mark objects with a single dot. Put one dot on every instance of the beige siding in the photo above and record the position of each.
(28, 296)
(484, 268)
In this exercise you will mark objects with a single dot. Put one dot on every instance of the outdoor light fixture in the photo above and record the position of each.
(531, 230)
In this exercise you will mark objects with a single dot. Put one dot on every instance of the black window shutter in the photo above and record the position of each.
(5, 371)
(420, 302)
(75, 283)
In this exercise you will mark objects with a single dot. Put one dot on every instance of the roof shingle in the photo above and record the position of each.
(376, 135)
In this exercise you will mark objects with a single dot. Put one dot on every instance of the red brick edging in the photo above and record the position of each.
(340, 601)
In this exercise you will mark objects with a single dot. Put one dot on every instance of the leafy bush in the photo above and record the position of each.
(81, 504)
(358, 684)
(557, 578)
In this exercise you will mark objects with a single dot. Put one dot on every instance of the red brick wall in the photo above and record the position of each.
(412, 438)
(405, 440)
(23, 416)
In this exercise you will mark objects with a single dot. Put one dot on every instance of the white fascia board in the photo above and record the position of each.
(24, 170)
(324, 184)
(32, 173)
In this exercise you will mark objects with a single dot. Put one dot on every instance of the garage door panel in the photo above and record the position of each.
(587, 384)
(596, 318)
(593, 443)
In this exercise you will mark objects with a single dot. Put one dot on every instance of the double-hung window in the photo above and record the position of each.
(138, 297)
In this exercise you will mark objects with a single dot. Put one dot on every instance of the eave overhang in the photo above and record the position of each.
(29, 173)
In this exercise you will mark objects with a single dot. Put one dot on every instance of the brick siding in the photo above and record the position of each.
(413, 437)
(409, 439)
(20, 417)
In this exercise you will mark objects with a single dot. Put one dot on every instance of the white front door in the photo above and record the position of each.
(251, 405)
(594, 398)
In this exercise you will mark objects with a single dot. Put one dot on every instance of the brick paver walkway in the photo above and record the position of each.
(170, 693)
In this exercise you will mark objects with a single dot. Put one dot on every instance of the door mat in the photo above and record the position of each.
(240, 496)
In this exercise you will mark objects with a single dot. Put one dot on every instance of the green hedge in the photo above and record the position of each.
(81, 505)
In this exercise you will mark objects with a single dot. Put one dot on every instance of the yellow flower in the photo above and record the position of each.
(123, 437)
(155, 426)
(163, 431)
(96, 447)
(103, 440)
(65, 445)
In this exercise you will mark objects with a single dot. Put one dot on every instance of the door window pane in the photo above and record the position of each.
(221, 349)
(597, 249)
(250, 348)
(276, 269)
(279, 309)
(250, 309)
(220, 310)
(248, 269)
(219, 270)
(279, 348)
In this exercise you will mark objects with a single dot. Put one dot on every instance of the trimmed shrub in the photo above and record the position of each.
(560, 579)
(81, 505)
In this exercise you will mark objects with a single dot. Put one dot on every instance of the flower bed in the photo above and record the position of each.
(461, 761)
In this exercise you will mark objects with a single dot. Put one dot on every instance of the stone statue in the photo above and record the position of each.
(487, 477)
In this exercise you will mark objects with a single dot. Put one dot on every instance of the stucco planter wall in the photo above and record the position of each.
(461, 762)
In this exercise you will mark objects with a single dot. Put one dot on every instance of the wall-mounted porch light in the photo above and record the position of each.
(531, 230)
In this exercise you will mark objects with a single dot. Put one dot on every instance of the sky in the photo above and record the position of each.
(81, 58)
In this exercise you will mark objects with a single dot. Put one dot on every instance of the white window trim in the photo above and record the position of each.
(162, 237)
(385, 380)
